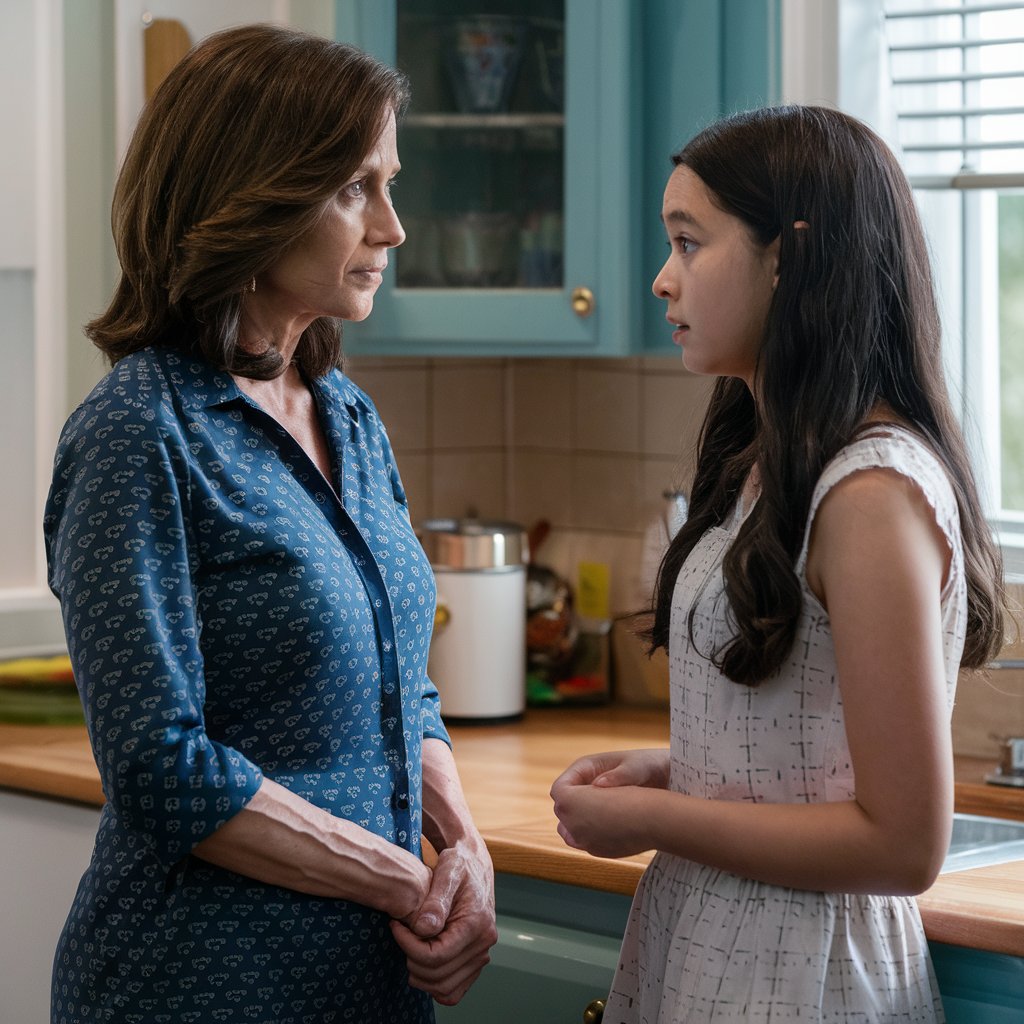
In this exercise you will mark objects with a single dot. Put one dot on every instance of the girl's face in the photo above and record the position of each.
(718, 281)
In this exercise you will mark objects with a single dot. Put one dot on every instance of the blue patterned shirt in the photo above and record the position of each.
(228, 618)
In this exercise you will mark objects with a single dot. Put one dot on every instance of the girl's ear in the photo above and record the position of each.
(773, 248)
(772, 256)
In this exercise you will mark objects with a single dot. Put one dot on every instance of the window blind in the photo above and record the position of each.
(956, 72)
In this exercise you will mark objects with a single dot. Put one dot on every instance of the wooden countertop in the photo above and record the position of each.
(507, 770)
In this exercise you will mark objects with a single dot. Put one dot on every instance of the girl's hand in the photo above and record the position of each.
(599, 801)
(619, 768)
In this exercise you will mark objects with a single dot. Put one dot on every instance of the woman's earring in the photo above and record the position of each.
(252, 284)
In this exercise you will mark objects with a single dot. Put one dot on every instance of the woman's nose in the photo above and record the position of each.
(388, 228)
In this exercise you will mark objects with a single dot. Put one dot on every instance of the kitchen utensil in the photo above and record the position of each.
(478, 652)
(482, 56)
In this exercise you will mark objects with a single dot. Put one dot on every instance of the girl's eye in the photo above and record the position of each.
(685, 246)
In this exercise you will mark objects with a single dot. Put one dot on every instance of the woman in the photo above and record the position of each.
(247, 608)
(834, 574)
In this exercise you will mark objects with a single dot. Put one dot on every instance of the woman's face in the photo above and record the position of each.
(335, 268)
(717, 280)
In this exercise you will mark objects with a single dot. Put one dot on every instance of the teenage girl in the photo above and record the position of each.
(835, 573)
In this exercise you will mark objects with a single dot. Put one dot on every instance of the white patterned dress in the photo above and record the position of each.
(703, 945)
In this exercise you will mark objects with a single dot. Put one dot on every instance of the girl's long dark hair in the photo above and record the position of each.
(853, 324)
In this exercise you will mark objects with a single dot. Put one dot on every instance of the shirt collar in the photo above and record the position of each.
(204, 387)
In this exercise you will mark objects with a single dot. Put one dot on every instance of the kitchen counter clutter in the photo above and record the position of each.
(507, 771)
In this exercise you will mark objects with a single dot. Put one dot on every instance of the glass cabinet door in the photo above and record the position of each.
(482, 145)
(500, 177)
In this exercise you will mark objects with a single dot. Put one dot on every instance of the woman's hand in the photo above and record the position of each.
(596, 800)
(446, 941)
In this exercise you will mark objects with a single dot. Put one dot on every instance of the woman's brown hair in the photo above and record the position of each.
(853, 325)
(232, 161)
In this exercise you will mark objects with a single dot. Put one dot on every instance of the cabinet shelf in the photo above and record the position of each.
(498, 122)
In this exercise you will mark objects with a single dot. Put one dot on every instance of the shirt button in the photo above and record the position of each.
(402, 803)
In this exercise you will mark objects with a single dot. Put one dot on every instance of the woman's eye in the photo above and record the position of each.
(355, 189)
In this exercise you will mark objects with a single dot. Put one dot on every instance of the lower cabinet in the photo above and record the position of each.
(979, 987)
(45, 846)
(556, 952)
(558, 946)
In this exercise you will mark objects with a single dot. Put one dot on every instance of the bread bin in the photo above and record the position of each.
(478, 651)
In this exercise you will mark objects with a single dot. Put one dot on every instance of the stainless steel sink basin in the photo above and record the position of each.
(978, 842)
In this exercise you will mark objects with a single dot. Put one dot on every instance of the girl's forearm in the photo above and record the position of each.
(284, 840)
(831, 847)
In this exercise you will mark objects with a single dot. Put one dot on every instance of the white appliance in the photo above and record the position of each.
(478, 652)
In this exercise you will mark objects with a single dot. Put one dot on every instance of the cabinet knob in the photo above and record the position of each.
(582, 302)
(594, 1013)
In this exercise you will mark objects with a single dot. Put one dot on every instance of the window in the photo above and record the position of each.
(956, 77)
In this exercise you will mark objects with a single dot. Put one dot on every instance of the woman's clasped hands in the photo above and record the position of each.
(599, 801)
(446, 940)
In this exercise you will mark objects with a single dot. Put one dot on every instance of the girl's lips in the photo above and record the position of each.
(679, 333)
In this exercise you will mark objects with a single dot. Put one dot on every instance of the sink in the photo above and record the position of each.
(978, 842)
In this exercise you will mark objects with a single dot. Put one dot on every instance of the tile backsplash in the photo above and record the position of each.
(588, 444)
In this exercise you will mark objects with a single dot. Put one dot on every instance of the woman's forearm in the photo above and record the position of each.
(446, 815)
(284, 840)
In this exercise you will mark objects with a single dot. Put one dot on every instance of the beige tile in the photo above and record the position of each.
(672, 410)
(605, 492)
(468, 406)
(607, 410)
(542, 396)
(658, 475)
(663, 362)
(363, 362)
(401, 399)
(416, 479)
(989, 709)
(468, 483)
(541, 487)
(564, 550)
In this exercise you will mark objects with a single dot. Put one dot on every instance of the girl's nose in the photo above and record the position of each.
(662, 287)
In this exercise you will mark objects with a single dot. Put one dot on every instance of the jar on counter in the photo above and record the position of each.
(478, 652)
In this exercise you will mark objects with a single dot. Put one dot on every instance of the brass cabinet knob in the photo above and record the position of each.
(594, 1013)
(582, 302)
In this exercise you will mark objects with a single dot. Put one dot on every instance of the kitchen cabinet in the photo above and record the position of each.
(558, 947)
(45, 846)
(531, 200)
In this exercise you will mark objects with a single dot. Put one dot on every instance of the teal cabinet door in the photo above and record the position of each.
(521, 217)
(558, 947)
(979, 987)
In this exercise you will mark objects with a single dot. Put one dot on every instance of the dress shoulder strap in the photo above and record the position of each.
(888, 446)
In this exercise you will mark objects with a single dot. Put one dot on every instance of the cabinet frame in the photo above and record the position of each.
(601, 214)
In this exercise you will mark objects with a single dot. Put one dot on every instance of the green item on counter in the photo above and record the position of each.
(39, 691)
(37, 704)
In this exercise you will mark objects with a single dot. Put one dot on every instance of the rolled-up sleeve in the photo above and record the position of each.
(121, 563)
